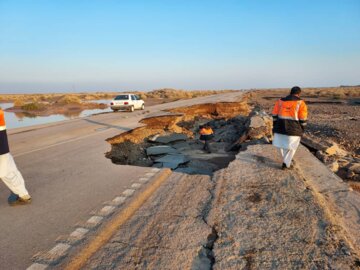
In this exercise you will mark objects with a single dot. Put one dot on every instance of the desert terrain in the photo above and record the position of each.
(334, 115)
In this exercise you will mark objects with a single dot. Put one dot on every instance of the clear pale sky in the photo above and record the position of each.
(65, 46)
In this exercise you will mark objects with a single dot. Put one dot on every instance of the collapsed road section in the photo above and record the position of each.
(172, 140)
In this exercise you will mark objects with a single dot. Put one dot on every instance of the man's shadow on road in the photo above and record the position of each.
(257, 159)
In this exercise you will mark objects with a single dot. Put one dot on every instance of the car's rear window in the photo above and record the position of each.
(122, 97)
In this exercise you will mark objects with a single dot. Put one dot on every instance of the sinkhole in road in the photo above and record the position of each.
(172, 140)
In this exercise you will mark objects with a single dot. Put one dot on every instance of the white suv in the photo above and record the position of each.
(127, 102)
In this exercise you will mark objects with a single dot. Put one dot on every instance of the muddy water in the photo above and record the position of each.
(18, 120)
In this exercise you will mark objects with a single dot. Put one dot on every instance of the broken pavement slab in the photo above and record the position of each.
(329, 147)
(179, 159)
(260, 125)
(181, 145)
(174, 137)
(160, 150)
(172, 161)
(256, 122)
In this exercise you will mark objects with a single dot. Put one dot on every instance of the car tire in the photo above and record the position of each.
(132, 109)
(115, 110)
(143, 106)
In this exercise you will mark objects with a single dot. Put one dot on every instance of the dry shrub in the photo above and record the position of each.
(95, 96)
(353, 92)
(34, 106)
(333, 92)
(104, 95)
(143, 96)
(44, 98)
(19, 102)
(338, 96)
(169, 93)
(34, 99)
(90, 97)
(68, 99)
(311, 92)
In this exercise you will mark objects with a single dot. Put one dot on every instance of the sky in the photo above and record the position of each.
(120, 45)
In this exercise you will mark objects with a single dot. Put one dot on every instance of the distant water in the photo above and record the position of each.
(17, 120)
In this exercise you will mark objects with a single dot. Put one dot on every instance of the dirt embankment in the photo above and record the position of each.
(334, 115)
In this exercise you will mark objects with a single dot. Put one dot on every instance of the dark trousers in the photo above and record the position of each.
(207, 146)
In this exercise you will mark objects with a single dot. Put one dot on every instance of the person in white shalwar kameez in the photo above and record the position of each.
(289, 116)
(9, 173)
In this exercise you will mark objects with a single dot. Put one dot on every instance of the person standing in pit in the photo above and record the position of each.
(206, 134)
(289, 122)
(9, 173)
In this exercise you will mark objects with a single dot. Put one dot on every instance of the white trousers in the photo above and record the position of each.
(287, 145)
(11, 176)
(287, 155)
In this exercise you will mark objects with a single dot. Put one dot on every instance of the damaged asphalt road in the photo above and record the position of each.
(249, 215)
(246, 214)
(168, 232)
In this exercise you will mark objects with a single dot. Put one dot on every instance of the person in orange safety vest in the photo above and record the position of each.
(289, 119)
(9, 173)
(206, 134)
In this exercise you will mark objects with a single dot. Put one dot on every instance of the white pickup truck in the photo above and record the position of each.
(128, 102)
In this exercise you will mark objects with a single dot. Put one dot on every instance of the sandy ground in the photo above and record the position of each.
(331, 118)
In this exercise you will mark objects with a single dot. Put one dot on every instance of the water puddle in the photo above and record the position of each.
(21, 119)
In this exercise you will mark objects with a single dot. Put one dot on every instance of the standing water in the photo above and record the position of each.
(17, 120)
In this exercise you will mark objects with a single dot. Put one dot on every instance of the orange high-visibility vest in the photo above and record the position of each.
(290, 116)
(2, 119)
(292, 110)
(4, 145)
(206, 131)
